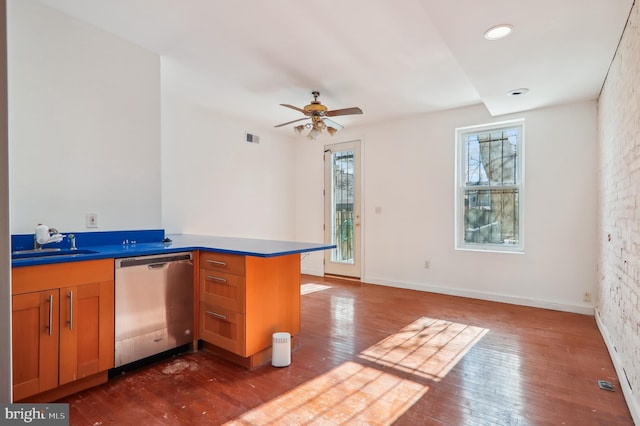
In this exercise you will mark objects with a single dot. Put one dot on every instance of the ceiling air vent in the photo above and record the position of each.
(251, 138)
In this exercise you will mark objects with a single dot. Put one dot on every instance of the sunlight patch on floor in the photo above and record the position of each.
(349, 394)
(312, 288)
(362, 393)
(428, 348)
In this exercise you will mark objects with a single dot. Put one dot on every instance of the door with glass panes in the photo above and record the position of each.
(342, 209)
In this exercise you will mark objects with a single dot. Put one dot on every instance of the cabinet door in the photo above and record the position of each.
(222, 289)
(223, 328)
(35, 342)
(86, 330)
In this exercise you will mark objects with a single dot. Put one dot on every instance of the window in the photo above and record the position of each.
(489, 185)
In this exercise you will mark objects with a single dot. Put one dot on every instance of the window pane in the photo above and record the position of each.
(491, 158)
(491, 216)
(490, 184)
(343, 200)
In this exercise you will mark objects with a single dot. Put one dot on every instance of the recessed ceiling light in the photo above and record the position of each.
(518, 92)
(498, 32)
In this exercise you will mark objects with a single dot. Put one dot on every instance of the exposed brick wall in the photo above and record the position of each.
(618, 305)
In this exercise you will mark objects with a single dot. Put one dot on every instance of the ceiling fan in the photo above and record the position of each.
(319, 116)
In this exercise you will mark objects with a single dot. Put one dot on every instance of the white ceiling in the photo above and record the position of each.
(392, 59)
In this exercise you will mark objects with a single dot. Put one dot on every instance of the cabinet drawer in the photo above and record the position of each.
(230, 263)
(222, 327)
(222, 289)
(28, 279)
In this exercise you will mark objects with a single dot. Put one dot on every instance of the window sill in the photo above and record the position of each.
(492, 249)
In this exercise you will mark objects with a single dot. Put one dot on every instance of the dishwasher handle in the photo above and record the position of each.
(153, 260)
(157, 265)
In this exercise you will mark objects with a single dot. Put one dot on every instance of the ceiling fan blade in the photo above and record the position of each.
(292, 121)
(296, 108)
(344, 111)
(331, 123)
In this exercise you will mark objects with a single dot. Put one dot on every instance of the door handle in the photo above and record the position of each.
(213, 314)
(70, 310)
(50, 314)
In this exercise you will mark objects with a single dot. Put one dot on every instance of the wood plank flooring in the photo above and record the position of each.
(375, 355)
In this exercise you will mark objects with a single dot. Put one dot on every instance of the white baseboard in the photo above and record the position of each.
(633, 405)
(585, 309)
(312, 271)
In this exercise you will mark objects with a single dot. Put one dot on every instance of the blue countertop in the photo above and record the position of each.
(102, 246)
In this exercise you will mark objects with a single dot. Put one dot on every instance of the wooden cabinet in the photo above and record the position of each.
(245, 299)
(86, 330)
(63, 327)
(35, 342)
(222, 301)
(222, 281)
(223, 328)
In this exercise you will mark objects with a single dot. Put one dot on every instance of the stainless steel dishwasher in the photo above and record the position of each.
(153, 305)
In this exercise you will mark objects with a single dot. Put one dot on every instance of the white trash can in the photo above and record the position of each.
(281, 350)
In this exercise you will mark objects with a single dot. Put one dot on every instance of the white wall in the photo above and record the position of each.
(216, 183)
(84, 124)
(409, 172)
(309, 162)
(618, 235)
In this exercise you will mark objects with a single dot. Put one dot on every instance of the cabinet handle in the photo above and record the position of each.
(217, 262)
(50, 314)
(222, 280)
(213, 314)
(70, 310)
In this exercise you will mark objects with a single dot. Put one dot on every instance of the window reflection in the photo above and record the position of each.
(342, 324)
(495, 381)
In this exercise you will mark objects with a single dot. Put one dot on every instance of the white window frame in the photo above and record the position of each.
(460, 157)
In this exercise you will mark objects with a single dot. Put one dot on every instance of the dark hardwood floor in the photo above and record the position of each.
(375, 355)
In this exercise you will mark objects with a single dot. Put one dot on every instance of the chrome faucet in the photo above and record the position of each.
(72, 242)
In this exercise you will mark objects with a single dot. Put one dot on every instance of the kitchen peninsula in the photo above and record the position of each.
(244, 290)
(116, 244)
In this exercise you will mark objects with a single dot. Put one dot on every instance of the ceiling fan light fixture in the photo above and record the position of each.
(498, 32)
(318, 113)
(314, 133)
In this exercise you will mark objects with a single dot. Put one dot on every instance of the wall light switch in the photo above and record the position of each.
(92, 220)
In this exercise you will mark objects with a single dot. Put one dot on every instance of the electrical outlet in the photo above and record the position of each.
(586, 297)
(92, 220)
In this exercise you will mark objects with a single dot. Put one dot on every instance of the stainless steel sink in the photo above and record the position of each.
(47, 252)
